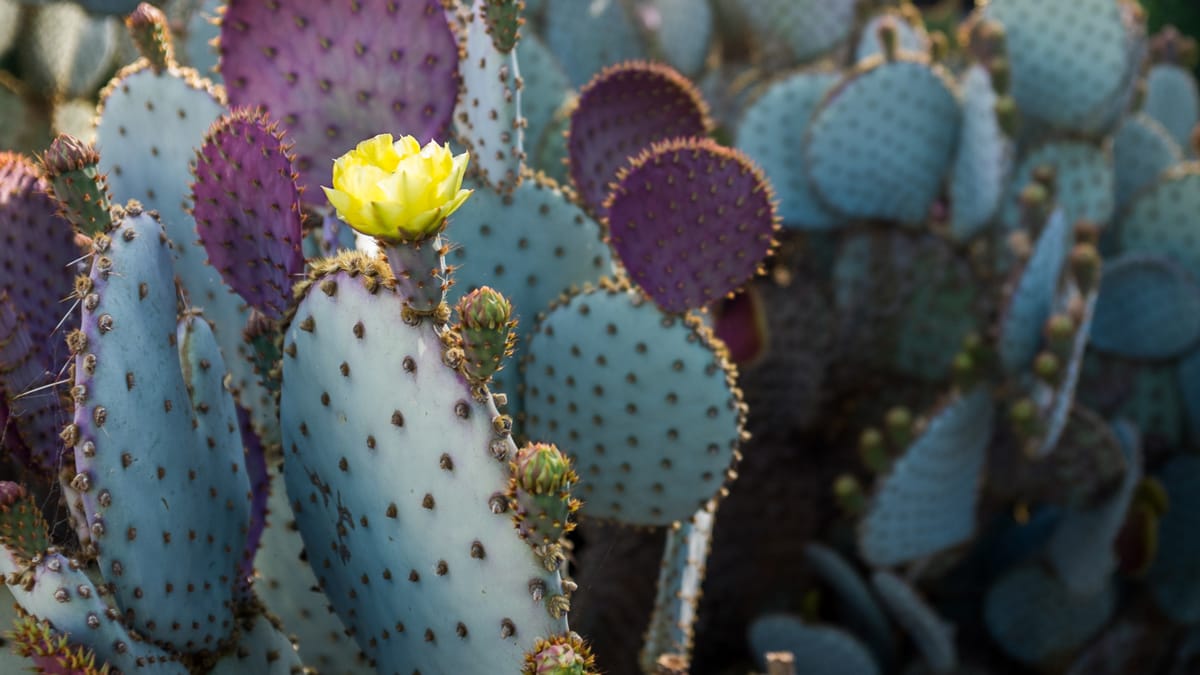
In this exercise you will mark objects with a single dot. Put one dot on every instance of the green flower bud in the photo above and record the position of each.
(542, 469)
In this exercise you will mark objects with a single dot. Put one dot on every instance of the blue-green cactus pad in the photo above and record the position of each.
(288, 588)
(807, 28)
(855, 603)
(487, 117)
(909, 38)
(1175, 575)
(881, 142)
(539, 223)
(927, 503)
(644, 402)
(1055, 400)
(197, 46)
(818, 650)
(1032, 301)
(84, 604)
(159, 446)
(1172, 99)
(979, 176)
(393, 473)
(1142, 151)
(1034, 618)
(786, 107)
(1164, 218)
(151, 125)
(263, 649)
(1069, 60)
(1081, 550)
(544, 90)
(680, 32)
(587, 36)
(67, 52)
(1084, 182)
(933, 635)
(1149, 308)
(677, 594)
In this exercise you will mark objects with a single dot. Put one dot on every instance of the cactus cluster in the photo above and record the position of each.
(626, 336)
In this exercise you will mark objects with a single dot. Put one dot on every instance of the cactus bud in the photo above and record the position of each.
(1001, 73)
(889, 38)
(1196, 139)
(964, 370)
(148, 27)
(504, 22)
(1035, 202)
(1046, 175)
(1024, 418)
(1085, 266)
(939, 46)
(872, 450)
(1047, 367)
(1006, 115)
(542, 469)
(849, 494)
(486, 332)
(1060, 334)
(71, 167)
(899, 425)
(1087, 232)
(560, 655)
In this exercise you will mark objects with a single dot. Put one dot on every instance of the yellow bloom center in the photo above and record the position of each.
(398, 191)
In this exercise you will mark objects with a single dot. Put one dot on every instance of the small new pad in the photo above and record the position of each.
(1084, 181)
(336, 73)
(880, 144)
(684, 562)
(247, 209)
(644, 403)
(979, 175)
(1142, 151)
(622, 112)
(787, 106)
(1035, 619)
(1149, 308)
(1069, 60)
(1164, 218)
(927, 503)
(1173, 100)
(487, 118)
(691, 221)
(818, 650)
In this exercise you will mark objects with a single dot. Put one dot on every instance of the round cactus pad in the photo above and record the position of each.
(882, 141)
(623, 111)
(1069, 60)
(643, 402)
(1172, 99)
(691, 221)
(1149, 308)
(787, 105)
(247, 209)
(818, 650)
(335, 73)
(927, 503)
(1164, 217)
(1142, 151)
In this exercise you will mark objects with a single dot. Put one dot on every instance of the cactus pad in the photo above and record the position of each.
(488, 115)
(684, 562)
(933, 636)
(1149, 308)
(1163, 218)
(788, 104)
(909, 37)
(386, 446)
(927, 503)
(545, 88)
(979, 176)
(807, 28)
(644, 403)
(156, 441)
(247, 209)
(586, 37)
(1035, 619)
(1175, 575)
(854, 171)
(679, 32)
(1142, 151)
(1086, 42)
(1173, 100)
(623, 111)
(1084, 182)
(1033, 299)
(334, 74)
(66, 51)
(856, 604)
(818, 650)
(691, 221)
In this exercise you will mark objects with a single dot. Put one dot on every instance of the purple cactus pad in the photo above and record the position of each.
(622, 111)
(691, 221)
(247, 209)
(335, 73)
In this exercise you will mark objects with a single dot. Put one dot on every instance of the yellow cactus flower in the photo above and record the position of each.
(398, 192)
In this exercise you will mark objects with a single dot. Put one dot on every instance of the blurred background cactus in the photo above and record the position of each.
(646, 336)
